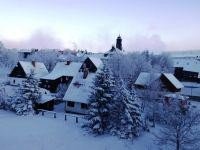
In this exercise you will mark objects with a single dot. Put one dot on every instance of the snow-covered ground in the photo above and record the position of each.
(42, 133)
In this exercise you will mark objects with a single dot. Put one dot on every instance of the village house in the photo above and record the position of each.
(62, 73)
(23, 69)
(187, 69)
(77, 95)
(167, 81)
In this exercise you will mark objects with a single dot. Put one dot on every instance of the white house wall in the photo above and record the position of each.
(15, 81)
(76, 109)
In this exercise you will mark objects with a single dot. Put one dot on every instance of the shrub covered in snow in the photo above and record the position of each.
(180, 129)
(26, 97)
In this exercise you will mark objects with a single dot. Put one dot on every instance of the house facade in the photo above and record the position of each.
(23, 69)
(62, 73)
(187, 69)
(79, 91)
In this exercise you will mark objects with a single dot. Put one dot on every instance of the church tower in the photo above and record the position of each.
(119, 42)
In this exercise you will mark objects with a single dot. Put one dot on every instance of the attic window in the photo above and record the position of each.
(77, 84)
(85, 73)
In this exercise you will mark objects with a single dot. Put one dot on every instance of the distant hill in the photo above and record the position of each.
(186, 53)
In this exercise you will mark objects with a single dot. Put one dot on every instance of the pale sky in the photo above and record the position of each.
(95, 24)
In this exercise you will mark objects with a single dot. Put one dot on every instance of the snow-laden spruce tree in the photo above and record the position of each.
(100, 102)
(27, 95)
(126, 113)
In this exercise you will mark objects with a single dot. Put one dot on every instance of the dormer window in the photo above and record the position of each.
(84, 66)
(85, 73)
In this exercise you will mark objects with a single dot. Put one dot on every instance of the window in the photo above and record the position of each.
(70, 104)
(84, 106)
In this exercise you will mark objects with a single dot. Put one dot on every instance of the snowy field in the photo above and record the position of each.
(46, 133)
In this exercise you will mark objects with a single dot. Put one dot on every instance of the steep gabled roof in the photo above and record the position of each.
(45, 96)
(62, 69)
(38, 68)
(96, 61)
(173, 80)
(80, 89)
(114, 51)
(145, 78)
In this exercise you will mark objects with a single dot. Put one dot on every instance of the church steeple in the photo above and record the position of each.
(119, 42)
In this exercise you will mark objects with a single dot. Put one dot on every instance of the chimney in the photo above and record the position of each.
(33, 63)
(85, 73)
(68, 62)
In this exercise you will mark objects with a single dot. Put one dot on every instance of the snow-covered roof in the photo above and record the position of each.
(45, 96)
(97, 55)
(65, 57)
(115, 51)
(80, 89)
(173, 80)
(38, 68)
(25, 51)
(145, 78)
(188, 64)
(96, 61)
(81, 54)
(62, 69)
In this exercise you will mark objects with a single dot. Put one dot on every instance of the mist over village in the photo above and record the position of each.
(99, 75)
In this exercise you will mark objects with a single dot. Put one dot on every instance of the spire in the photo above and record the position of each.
(119, 42)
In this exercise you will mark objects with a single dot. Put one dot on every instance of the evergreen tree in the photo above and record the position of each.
(100, 102)
(126, 113)
(27, 95)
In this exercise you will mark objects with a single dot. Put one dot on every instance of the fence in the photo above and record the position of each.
(63, 116)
